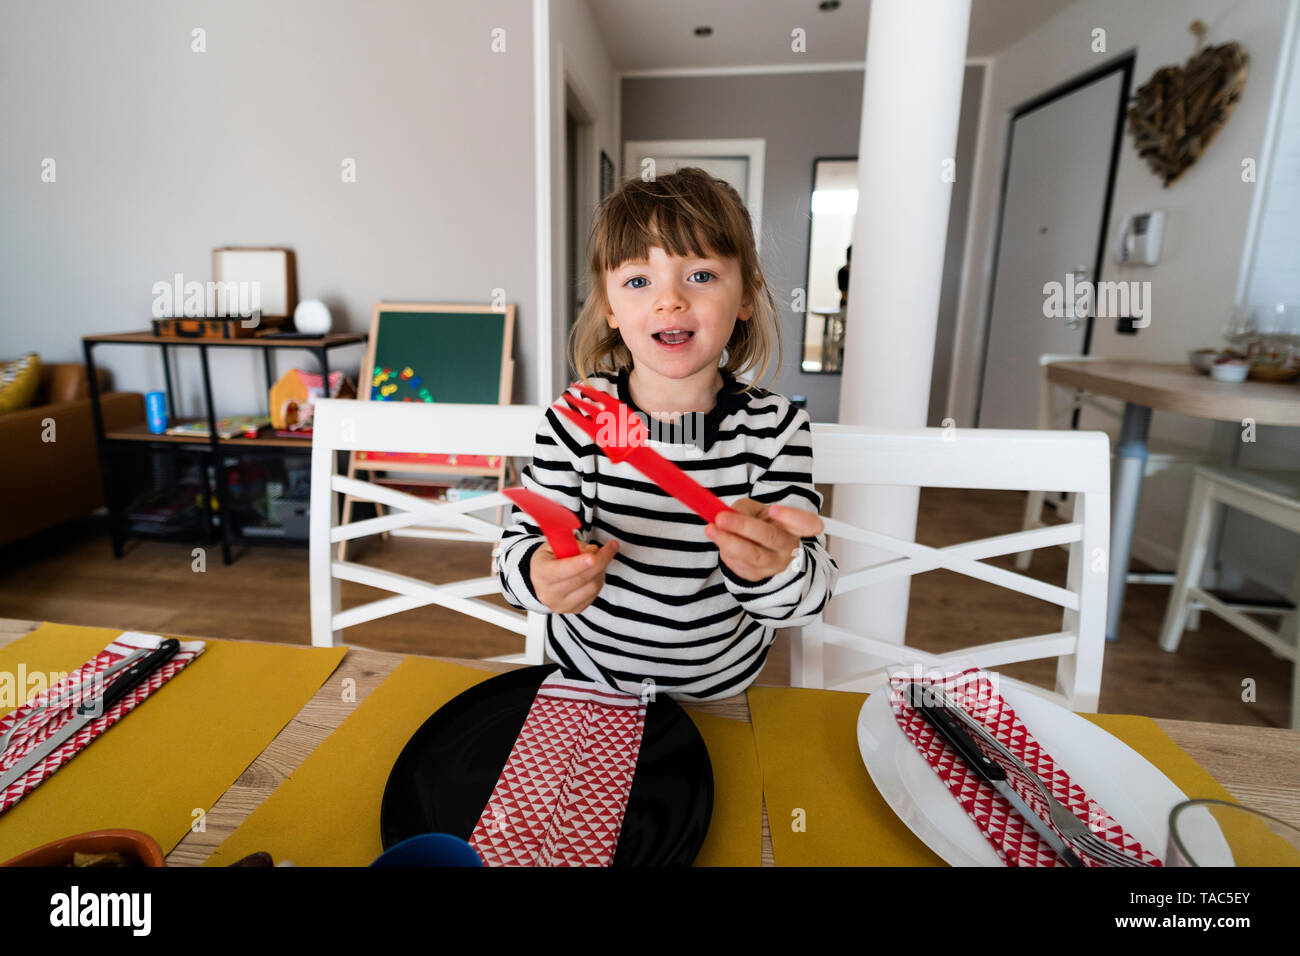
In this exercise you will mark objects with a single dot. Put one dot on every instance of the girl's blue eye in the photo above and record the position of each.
(697, 272)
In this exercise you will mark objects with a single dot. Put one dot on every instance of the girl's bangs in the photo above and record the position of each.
(639, 226)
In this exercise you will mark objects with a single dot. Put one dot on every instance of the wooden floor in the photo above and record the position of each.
(69, 575)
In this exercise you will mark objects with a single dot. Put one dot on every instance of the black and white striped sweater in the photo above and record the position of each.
(670, 611)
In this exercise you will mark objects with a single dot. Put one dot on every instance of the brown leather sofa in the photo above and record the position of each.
(42, 483)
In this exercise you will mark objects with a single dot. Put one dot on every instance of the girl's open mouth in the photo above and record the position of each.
(673, 339)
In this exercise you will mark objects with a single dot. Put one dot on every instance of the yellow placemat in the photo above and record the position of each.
(178, 751)
(327, 812)
(736, 828)
(823, 809)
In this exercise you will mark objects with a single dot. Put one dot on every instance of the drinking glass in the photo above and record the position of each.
(1219, 833)
(1240, 327)
(1279, 326)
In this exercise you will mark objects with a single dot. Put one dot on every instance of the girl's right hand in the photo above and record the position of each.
(569, 585)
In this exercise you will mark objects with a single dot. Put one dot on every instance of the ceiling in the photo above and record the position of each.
(659, 34)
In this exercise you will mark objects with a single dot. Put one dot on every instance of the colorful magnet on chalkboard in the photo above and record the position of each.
(415, 381)
(406, 372)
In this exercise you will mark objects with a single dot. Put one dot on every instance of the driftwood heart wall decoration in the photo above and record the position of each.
(1177, 112)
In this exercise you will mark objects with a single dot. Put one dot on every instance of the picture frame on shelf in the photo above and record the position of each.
(265, 279)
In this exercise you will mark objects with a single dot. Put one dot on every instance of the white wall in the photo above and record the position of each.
(163, 154)
(1208, 209)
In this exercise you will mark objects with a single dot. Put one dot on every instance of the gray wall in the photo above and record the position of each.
(163, 154)
(802, 116)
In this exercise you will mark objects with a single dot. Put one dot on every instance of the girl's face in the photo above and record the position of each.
(676, 314)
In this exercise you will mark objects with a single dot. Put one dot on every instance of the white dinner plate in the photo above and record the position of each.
(1127, 785)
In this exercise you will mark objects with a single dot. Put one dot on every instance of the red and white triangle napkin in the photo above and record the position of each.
(562, 794)
(1013, 839)
(80, 686)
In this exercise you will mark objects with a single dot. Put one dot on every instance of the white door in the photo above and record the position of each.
(1055, 198)
(735, 161)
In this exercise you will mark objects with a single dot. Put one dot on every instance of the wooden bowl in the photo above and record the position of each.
(1274, 373)
(130, 843)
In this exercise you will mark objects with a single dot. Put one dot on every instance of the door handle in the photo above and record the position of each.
(1078, 274)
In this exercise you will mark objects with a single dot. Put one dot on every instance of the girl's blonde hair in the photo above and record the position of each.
(686, 213)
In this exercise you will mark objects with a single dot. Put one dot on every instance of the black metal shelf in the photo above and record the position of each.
(213, 448)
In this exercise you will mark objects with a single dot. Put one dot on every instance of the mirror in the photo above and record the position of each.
(834, 207)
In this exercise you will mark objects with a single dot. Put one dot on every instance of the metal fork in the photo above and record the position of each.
(1074, 830)
(73, 692)
(626, 442)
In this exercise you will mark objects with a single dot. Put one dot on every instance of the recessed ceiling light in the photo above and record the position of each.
(826, 6)
(704, 31)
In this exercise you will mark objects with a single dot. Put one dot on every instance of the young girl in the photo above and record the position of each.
(679, 307)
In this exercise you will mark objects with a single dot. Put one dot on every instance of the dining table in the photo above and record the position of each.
(1145, 387)
(1256, 765)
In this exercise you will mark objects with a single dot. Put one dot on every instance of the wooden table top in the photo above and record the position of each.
(1257, 765)
(1177, 387)
(329, 340)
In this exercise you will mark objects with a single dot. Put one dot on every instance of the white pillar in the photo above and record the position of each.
(911, 99)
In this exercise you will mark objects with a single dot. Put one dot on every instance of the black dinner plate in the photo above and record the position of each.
(447, 771)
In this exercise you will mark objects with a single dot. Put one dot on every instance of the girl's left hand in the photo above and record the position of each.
(758, 540)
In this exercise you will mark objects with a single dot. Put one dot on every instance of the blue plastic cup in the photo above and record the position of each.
(430, 849)
(155, 407)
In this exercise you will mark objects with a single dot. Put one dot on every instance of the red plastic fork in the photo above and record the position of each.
(626, 442)
(557, 522)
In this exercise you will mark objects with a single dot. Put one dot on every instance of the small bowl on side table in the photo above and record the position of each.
(1270, 372)
(1202, 359)
(1230, 369)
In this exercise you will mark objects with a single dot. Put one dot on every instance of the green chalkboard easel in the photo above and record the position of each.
(435, 353)
(438, 353)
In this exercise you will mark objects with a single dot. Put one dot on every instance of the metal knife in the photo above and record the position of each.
(989, 770)
(91, 710)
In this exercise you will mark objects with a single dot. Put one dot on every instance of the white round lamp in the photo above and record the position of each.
(312, 316)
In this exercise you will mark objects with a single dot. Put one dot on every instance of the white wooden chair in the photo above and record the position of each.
(1022, 459)
(1272, 496)
(349, 425)
(1055, 411)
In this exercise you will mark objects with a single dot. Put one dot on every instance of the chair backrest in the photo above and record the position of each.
(350, 425)
(1054, 414)
(1005, 459)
